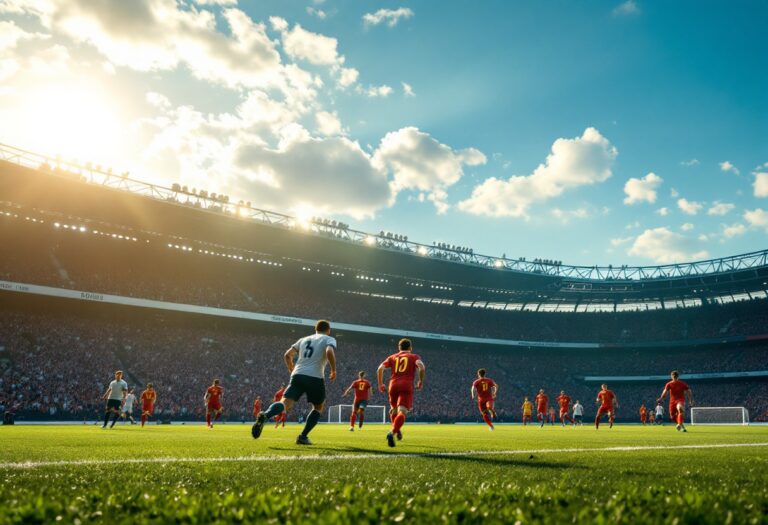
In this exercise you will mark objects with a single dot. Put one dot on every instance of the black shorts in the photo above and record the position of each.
(363, 403)
(313, 387)
(114, 404)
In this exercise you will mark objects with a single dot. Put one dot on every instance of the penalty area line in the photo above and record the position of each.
(381, 455)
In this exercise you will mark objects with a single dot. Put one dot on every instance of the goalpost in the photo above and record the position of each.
(342, 413)
(719, 416)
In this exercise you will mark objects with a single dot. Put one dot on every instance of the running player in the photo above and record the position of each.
(115, 395)
(402, 366)
(651, 417)
(608, 405)
(127, 410)
(643, 414)
(313, 353)
(542, 400)
(278, 396)
(527, 411)
(213, 397)
(148, 398)
(578, 413)
(551, 415)
(485, 389)
(256, 406)
(677, 391)
(362, 388)
(564, 401)
(659, 414)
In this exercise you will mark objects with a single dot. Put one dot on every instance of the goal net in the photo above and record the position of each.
(719, 416)
(342, 413)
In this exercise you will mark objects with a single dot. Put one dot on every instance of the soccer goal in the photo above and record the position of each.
(342, 413)
(719, 416)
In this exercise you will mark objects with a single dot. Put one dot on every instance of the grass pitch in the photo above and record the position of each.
(437, 474)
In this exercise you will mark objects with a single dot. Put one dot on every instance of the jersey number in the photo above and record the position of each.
(362, 386)
(401, 363)
(485, 387)
(309, 349)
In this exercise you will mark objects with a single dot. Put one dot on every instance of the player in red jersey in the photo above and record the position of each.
(280, 418)
(564, 401)
(148, 398)
(551, 415)
(608, 405)
(485, 389)
(542, 401)
(643, 414)
(256, 406)
(402, 366)
(213, 397)
(362, 389)
(677, 390)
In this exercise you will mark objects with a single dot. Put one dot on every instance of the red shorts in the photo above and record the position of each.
(604, 410)
(214, 406)
(673, 407)
(401, 396)
(484, 403)
(542, 410)
(563, 412)
(147, 408)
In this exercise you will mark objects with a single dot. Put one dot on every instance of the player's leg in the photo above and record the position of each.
(219, 410)
(485, 411)
(208, 416)
(611, 415)
(598, 417)
(275, 409)
(681, 416)
(115, 414)
(107, 411)
(361, 413)
(315, 390)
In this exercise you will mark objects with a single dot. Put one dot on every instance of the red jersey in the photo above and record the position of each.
(279, 394)
(214, 394)
(643, 411)
(403, 367)
(484, 387)
(606, 398)
(148, 397)
(257, 406)
(677, 390)
(564, 402)
(362, 388)
(542, 400)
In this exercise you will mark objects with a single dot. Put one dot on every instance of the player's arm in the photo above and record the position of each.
(472, 392)
(380, 375)
(206, 397)
(331, 355)
(615, 402)
(689, 392)
(663, 394)
(349, 388)
(422, 373)
(288, 357)
(106, 394)
(495, 390)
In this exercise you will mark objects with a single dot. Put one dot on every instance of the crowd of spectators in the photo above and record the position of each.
(56, 365)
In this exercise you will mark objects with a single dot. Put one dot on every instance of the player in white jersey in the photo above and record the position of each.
(578, 412)
(313, 354)
(127, 411)
(659, 414)
(114, 396)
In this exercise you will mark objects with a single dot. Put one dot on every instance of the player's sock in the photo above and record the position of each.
(208, 418)
(143, 419)
(114, 420)
(312, 418)
(398, 423)
(487, 419)
(360, 421)
(106, 418)
(352, 419)
(597, 422)
(610, 421)
(679, 418)
(274, 409)
(216, 417)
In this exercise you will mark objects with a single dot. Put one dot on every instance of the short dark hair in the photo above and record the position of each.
(361, 373)
(322, 326)
(675, 374)
(149, 385)
(215, 381)
(481, 372)
(404, 344)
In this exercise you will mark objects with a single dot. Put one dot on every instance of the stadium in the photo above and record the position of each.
(254, 262)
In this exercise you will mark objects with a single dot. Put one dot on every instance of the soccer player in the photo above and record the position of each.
(578, 412)
(643, 414)
(148, 398)
(677, 391)
(127, 410)
(402, 366)
(659, 414)
(115, 395)
(527, 411)
(551, 415)
(362, 388)
(651, 417)
(485, 389)
(256, 407)
(213, 397)
(608, 405)
(279, 396)
(314, 353)
(542, 400)
(564, 401)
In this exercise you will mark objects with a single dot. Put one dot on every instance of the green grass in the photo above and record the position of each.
(667, 485)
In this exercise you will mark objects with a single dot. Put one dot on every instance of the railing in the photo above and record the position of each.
(211, 202)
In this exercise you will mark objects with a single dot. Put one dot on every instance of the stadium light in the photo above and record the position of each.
(370, 240)
(498, 264)
(422, 250)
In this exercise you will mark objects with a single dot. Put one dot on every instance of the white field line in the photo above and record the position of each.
(382, 455)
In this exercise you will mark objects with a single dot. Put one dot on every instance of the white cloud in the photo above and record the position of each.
(674, 193)
(727, 166)
(720, 208)
(663, 212)
(389, 16)
(419, 162)
(572, 163)
(319, 13)
(621, 240)
(687, 227)
(689, 163)
(375, 91)
(734, 230)
(348, 76)
(328, 123)
(689, 207)
(642, 190)
(216, 2)
(566, 215)
(665, 246)
(626, 8)
(408, 90)
(760, 185)
(757, 218)
(315, 48)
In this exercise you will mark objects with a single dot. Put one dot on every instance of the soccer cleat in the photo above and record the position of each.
(678, 427)
(351, 429)
(258, 427)
(390, 439)
(303, 440)
(399, 435)
(490, 429)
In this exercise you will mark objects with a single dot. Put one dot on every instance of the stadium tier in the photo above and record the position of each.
(100, 272)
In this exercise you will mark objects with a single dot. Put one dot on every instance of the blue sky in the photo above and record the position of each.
(588, 132)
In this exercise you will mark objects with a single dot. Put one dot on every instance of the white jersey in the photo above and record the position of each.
(128, 405)
(116, 389)
(578, 410)
(312, 360)
(659, 410)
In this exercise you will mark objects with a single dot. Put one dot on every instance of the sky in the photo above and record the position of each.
(592, 132)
